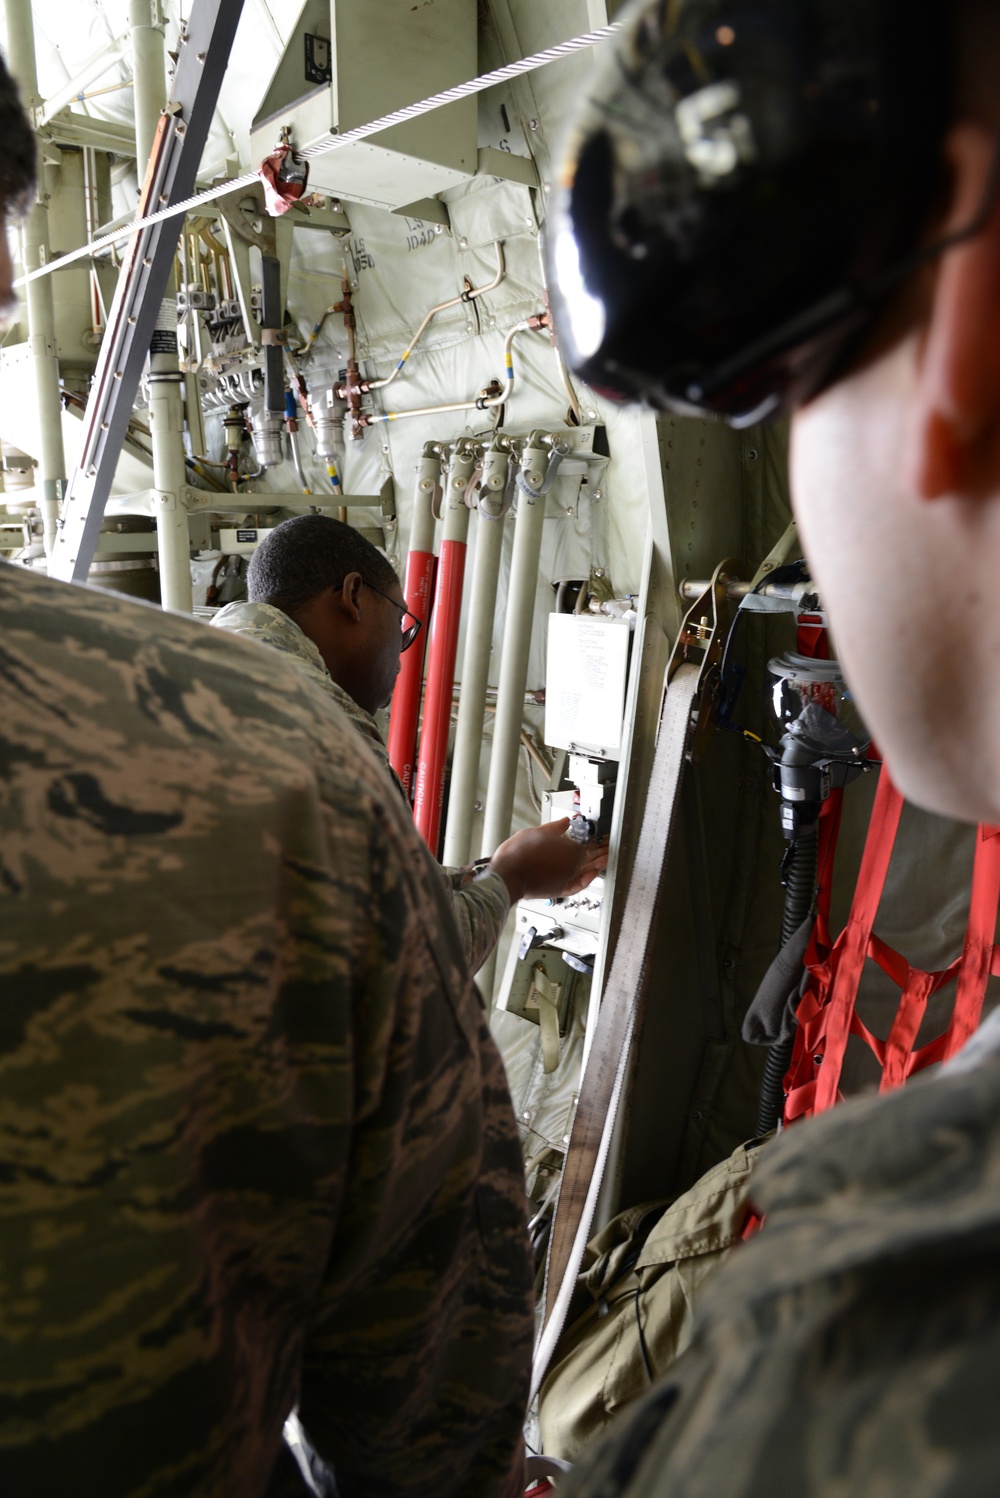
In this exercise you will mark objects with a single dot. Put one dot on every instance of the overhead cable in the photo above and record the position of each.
(336, 142)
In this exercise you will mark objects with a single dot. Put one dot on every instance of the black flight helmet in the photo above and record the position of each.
(746, 183)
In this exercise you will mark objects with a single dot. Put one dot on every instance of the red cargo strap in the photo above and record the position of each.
(827, 1012)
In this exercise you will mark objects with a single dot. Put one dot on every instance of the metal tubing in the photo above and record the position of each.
(574, 403)
(418, 590)
(99, 63)
(148, 76)
(166, 425)
(513, 671)
(466, 296)
(486, 402)
(271, 315)
(166, 407)
(472, 699)
(293, 442)
(510, 690)
(193, 416)
(574, 400)
(373, 420)
(793, 593)
(38, 295)
(433, 756)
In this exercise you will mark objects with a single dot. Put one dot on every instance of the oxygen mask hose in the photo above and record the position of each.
(800, 872)
(822, 749)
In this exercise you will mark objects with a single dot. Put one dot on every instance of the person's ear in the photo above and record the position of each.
(956, 431)
(349, 596)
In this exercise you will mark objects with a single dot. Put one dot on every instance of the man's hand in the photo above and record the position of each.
(542, 862)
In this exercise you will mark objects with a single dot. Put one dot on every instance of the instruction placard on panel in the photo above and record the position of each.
(585, 677)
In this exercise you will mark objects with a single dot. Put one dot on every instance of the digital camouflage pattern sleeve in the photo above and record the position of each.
(256, 1145)
(851, 1347)
(481, 901)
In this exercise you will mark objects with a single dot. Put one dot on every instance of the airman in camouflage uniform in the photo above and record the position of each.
(481, 898)
(850, 1350)
(851, 1347)
(256, 1145)
(324, 595)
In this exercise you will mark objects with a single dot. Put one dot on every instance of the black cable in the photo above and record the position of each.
(799, 892)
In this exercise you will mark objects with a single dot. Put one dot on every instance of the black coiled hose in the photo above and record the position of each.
(799, 889)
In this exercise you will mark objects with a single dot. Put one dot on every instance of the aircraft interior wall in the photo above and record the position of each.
(645, 504)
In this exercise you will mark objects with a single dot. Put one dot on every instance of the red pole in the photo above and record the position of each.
(418, 590)
(440, 682)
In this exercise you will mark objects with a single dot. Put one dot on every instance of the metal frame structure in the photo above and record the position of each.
(170, 178)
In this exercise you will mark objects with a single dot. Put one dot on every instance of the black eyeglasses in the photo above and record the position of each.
(411, 631)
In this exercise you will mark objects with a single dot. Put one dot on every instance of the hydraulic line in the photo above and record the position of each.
(799, 892)
(574, 403)
(293, 442)
(469, 295)
(429, 793)
(495, 394)
(336, 486)
(482, 403)
(418, 590)
(292, 427)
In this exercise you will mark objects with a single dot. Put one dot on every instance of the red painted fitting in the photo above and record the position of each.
(418, 590)
(440, 683)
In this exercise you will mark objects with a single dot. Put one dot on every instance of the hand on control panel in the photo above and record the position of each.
(543, 861)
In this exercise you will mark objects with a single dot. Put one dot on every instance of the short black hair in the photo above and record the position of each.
(18, 156)
(303, 556)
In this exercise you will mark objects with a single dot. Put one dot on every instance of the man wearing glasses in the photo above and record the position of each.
(323, 594)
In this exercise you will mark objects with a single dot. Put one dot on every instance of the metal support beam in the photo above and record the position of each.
(71, 129)
(149, 78)
(180, 141)
(95, 67)
(247, 223)
(208, 502)
(166, 410)
(38, 295)
(504, 164)
(430, 210)
(271, 311)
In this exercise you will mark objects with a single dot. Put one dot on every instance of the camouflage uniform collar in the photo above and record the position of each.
(271, 626)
